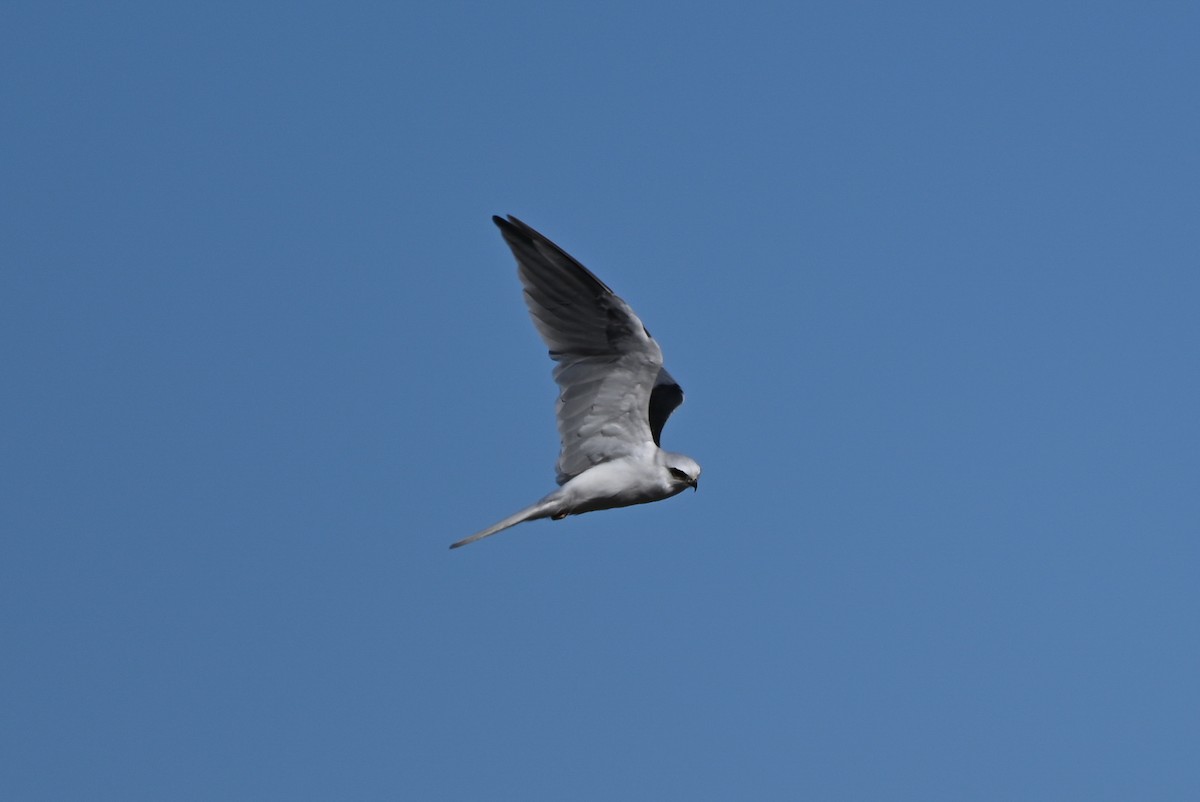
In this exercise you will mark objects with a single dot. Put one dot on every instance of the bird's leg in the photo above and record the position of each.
(558, 516)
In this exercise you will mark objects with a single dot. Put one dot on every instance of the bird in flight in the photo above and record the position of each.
(614, 394)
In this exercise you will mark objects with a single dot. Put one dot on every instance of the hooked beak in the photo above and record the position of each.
(695, 483)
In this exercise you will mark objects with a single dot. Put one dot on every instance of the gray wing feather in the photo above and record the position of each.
(608, 364)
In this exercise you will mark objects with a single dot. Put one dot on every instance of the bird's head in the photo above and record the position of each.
(684, 471)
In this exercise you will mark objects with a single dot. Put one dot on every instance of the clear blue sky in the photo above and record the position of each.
(929, 274)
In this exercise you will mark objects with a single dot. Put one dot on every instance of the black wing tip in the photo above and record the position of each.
(510, 222)
(517, 232)
(514, 230)
(517, 235)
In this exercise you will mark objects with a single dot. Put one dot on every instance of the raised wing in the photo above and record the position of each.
(613, 397)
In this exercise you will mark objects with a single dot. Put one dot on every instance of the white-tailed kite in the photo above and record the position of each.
(615, 396)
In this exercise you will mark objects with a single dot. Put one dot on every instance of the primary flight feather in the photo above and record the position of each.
(614, 394)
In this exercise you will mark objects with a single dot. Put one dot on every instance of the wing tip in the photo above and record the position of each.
(514, 231)
(520, 234)
(509, 222)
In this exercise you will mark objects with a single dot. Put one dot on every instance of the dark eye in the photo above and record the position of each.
(680, 475)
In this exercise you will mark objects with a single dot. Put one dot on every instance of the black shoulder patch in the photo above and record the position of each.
(664, 398)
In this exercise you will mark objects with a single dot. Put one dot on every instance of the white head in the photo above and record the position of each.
(682, 471)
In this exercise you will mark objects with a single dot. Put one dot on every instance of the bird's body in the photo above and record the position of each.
(614, 394)
(634, 479)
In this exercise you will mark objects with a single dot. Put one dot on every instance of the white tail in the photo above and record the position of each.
(543, 509)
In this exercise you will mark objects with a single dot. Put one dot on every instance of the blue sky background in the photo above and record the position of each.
(929, 274)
